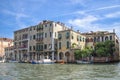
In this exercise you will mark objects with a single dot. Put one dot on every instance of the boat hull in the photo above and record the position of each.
(44, 61)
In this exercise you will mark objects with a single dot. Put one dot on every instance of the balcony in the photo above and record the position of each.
(24, 39)
(39, 28)
(39, 40)
(23, 47)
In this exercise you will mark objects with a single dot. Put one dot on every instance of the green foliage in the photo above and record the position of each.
(73, 45)
(104, 49)
(83, 53)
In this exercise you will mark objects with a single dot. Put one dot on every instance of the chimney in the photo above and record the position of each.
(78, 31)
(71, 27)
(113, 30)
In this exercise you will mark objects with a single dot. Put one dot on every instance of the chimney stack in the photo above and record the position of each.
(71, 27)
(113, 30)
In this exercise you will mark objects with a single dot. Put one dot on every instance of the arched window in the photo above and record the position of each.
(106, 38)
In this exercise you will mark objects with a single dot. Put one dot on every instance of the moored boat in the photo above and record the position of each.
(44, 61)
(13, 61)
(2, 61)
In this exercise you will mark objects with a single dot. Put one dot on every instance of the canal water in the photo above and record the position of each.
(22, 71)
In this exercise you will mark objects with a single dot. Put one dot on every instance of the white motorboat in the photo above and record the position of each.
(48, 61)
(44, 61)
(2, 61)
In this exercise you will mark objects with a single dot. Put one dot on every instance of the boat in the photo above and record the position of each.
(48, 61)
(82, 62)
(60, 61)
(13, 61)
(2, 61)
(44, 61)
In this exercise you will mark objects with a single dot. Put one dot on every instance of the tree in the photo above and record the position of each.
(78, 54)
(83, 53)
(104, 49)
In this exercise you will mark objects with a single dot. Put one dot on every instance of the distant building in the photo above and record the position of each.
(9, 53)
(4, 42)
(101, 36)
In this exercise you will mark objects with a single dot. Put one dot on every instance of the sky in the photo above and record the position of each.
(82, 15)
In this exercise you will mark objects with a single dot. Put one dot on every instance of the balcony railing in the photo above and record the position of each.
(23, 47)
(39, 39)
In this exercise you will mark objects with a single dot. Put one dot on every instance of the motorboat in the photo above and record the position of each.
(48, 61)
(44, 61)
(2, 61)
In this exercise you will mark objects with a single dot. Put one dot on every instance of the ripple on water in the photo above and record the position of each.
(19, 71)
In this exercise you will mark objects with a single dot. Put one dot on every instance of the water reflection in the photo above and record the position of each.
(17, 71)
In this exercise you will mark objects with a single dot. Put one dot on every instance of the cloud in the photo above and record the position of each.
(84, 23)
(87, 24)
(113, 15)
(83, 12)
(101, 8)
(81, 2)
(17, 16)
(14, 13)
(108, 7)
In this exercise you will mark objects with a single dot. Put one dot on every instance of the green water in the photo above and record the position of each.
(21, 71)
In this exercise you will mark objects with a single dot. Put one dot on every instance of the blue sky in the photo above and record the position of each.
(83, 15)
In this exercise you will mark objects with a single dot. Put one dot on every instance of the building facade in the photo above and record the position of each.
(9, 53)
(101, 36)
(68, 41)
(4, 42)
(37, 42)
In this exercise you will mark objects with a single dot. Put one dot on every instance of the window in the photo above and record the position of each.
(34, 28)
(59, 36)
(50, 34)
(30, 37)
(80, 38)
(30, 29)
(98, 39)
(55, 34)
(68, 44)
(72, 37)
(67, 35)
(45, 46)
(106, 38)
(83, 39)
(30, 48)
(59, 45)
(41, 48)
(110, 37)
(34, 36)
(94, 39)
(46, 25)
(33, 47)
(45, 35)
(77, 38)
(50, 24)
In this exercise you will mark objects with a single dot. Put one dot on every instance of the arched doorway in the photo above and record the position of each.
(67, 56)
(61, 56)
